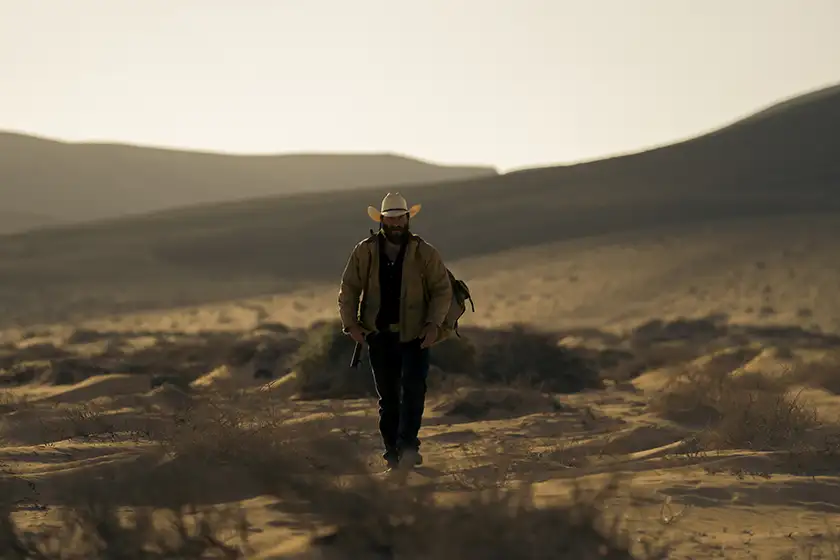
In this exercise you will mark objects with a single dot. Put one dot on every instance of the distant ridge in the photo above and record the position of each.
(74, 182)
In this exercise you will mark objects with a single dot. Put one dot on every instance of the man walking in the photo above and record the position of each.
(395, 293)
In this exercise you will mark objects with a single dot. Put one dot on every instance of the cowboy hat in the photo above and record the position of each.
(392, 205)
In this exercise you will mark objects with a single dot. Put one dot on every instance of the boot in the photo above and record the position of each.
(392, 458)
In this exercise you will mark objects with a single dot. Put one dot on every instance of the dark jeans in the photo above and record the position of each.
(400, 370)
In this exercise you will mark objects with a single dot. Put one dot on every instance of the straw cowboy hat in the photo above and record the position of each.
(392, 205)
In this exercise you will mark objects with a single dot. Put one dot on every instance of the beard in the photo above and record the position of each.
(395, 234)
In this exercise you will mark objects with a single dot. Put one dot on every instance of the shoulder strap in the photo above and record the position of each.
(371, 239)
(370, 263)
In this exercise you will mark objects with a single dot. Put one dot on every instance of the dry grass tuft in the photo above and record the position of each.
(746, 410)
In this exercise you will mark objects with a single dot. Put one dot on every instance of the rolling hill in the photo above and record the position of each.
(58, 182)
(784, 161)
(13, 221)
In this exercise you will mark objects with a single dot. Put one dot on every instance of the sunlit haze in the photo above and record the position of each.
(506, 83)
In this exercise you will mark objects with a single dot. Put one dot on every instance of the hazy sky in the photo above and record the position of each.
(505, 82)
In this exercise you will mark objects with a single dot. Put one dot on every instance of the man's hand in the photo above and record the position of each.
(356, 333)
(429, 335)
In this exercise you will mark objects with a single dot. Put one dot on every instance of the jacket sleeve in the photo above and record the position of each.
(350, 290)
(438, 286)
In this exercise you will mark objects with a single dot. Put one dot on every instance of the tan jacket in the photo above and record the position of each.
(426, 290)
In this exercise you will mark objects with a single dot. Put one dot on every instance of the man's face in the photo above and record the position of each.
(395, 227)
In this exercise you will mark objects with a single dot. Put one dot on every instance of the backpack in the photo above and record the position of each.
(460, 295)
(458, 306)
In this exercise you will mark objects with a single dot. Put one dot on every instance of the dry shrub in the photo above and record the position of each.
(483, 403)
(454, 355)
(322, 366)
(179, 381)
(699, 331)
(56, 371)
(13, 354)
(23, 372)
(250, 440)
(440, 383)
(82, 335)
(11, 402)
(213, 443)
(519, 357)
(747, 410)
(82, 421)
(490, 524)
(242, 351)
(824, 374)
(452, 366)
(237, 429)
(522, 356)
(100, 530)
(764, 420)
(645, 357)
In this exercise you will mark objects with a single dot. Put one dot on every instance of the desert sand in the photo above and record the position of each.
(754, 296)
(651, 370)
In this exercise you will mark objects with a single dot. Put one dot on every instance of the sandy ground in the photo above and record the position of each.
(772, 282)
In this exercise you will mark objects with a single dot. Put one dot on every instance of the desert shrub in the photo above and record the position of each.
(273, 327)
(95, 527)
(483, 403)
(322, 365)
(763, 420)
(524, 356)
(454, 355)
(101, 531)
(12, 354)
(10, 402)
(179, 381)
(737, 410)
(66, 371)
(824, 374)
(81, 335)
(36, 371)
(441, 383)
(241, 352)
(496, 524)
(699, 331)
